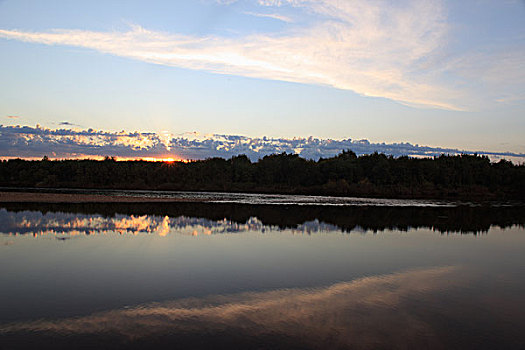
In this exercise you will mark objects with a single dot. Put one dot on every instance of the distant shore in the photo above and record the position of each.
(35, 197)
(464, 177)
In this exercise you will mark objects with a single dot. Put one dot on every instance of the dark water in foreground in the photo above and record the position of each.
(238, 275)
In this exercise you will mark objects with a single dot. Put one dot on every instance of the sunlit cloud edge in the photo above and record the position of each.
(36, 142)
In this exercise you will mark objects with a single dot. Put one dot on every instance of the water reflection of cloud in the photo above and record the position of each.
(57, 223)
(368, 312)
(212, 218)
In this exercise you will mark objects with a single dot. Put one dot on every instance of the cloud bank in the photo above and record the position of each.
(36, 142)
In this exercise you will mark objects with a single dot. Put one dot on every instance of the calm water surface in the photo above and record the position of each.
(244, 275)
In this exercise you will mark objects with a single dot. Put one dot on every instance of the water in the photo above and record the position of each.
(265, 275)
(251, 198)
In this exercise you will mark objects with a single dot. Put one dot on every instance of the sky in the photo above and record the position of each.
(443, 74)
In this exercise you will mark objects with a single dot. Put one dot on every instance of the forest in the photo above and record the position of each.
(374, 175)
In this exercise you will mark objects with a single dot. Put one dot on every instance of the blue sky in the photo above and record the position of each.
(438, 73)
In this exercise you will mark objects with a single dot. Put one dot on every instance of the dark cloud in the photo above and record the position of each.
(25, 141)
(67, 124)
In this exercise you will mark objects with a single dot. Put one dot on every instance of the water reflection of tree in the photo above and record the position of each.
(462, 219)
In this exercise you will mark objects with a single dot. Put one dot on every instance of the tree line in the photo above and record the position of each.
(373, 175)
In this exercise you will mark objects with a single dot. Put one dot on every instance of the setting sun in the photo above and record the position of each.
(152, 159)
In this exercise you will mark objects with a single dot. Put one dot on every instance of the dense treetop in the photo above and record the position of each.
(461, 176)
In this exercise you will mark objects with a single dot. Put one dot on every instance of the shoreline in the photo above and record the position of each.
(77, 196)
(39, 197)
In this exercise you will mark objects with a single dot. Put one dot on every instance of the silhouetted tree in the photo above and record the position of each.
(466, 176)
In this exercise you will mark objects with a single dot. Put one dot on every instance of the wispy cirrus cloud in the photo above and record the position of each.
(29, 142)
(373, 48)
(394, 50)
(270, 15)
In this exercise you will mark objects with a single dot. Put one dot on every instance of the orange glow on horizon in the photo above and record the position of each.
(168, 159)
